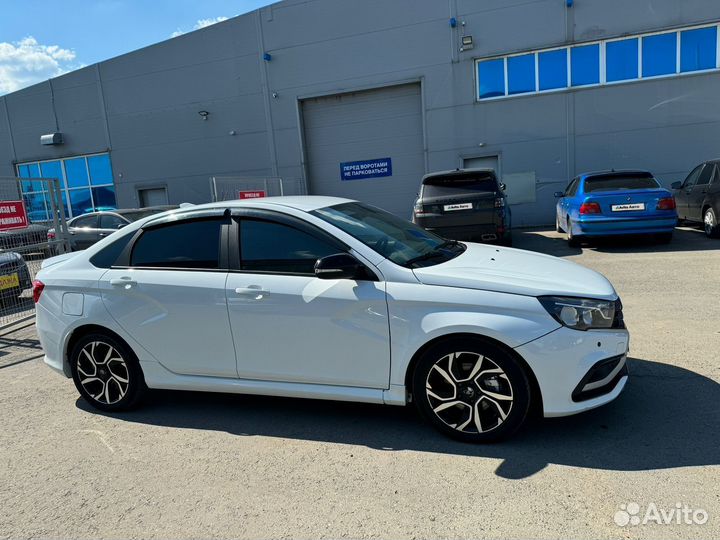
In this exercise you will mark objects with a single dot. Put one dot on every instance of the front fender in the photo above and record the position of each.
(421, 313)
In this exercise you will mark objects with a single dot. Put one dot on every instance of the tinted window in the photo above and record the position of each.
(572, 188)
(659, 54)
(692, 177)
(716, 178)
(585, 65)
(614, 183)
(438, 186)
(621, 60)
(190, 244)
(491, 76)
(705, 175)
(76, 172)
(110, 221)
(552, 67)
(698, 49)
(85, 221)
(266, 246)
(107, 256)
(521, 74)
(100, 171)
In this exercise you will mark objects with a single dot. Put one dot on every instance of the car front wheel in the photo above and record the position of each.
(471, 390)
(710, 223)
(572, 240)
(106, 373)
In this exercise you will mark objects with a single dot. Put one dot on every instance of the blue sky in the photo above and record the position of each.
(40, 39)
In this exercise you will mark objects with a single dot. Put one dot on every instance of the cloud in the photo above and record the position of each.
(201, 23)
(26, 62)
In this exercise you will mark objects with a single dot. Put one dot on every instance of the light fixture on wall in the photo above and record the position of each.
(467, 43)
(204, 114)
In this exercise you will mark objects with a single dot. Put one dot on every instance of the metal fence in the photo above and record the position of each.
(230, 188)
(22, 250)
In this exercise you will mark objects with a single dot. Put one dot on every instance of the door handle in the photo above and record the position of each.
(253, 290)
(125, 282)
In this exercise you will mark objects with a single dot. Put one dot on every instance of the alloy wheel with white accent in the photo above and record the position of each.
(106, 373)
(710, 224)
(471, 390)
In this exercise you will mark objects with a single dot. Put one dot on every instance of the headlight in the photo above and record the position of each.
(580, 313)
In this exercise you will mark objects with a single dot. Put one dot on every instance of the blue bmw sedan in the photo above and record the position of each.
(615, 203)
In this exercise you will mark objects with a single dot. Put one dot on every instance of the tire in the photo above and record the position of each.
(457, 386)
(664, 238)
(572, 240)
(107, 373)
(710, 224)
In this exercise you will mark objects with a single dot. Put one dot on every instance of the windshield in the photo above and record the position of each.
(402, 242)
(438, 186)
(615, 183)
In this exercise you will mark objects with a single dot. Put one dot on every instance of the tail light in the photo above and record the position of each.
(51, 235)
(499, 202)
(418, 209)
(667, 203)
(590, 208)
(38, 287)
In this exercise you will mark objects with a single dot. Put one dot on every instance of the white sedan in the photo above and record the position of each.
(327, 298)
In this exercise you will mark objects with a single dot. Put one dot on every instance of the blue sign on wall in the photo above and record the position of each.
(372, 168)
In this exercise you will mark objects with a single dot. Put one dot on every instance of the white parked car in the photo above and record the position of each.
(328, 298)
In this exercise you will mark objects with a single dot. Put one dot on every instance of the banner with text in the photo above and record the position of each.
(359, 170)
(13, 215)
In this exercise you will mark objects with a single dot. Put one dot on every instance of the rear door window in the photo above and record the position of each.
(111, 221)
(705, 176)
(440, 186)
(619, 183)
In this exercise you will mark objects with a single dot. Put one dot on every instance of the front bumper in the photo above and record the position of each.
(565, 358)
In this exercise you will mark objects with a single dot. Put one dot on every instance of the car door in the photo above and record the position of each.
(108, 223)
(682, 195)
(565, 202)
(167, 291)
(289, 325)
(83, 232)
(697, 194)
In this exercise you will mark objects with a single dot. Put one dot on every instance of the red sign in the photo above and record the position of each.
(13, 215)
(257, 194)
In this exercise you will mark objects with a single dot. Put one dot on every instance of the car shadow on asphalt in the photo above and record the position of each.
(684, 239)
(667, 417)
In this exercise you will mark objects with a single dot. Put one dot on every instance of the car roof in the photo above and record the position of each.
(616, 172)
(306, 203)
(458, 172)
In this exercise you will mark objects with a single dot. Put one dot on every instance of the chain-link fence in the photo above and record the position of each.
(32, 228)
(231, 188)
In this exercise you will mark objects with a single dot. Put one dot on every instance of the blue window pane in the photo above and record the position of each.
(104, 198)
(76, 172)
(585, 65)
(80, 201)
(521, 74)
(34, 170)
(698, 49)
(659, 55)
(51, 169)
(491, 76)
(23, 171)
(100, 170)
(37, 207)
(552, 66)
(621, 61)
(30, 170)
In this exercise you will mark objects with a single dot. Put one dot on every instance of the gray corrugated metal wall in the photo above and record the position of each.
(143, 106)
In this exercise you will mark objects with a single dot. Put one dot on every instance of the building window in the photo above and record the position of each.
(86, 183)
(585, 65)
(521, 74)
(698, 49)
(553, 69)
(621, 60)
(659, 55)
(491, 74)
(663, 54)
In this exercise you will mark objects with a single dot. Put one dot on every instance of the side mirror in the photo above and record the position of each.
(121, 225)
(503, 186)
(676, 185)
(340, 266)
(559, 194)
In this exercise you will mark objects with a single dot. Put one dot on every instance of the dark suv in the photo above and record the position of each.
(464, 204)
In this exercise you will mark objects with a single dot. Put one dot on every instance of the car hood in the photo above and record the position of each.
(516, 271)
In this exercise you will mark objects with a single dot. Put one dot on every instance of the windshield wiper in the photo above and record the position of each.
(436, 252)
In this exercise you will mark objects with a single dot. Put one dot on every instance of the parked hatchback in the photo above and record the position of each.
(612, 203)
(89, 228)
(464, 204)
(698, 197)
(327, 298)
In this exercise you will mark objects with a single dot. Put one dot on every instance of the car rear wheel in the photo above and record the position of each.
(471, 390)
(106, 373)
(710, 224)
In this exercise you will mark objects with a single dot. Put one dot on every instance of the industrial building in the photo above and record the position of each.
(361, 98)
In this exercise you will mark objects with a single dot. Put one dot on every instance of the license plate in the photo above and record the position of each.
(627, 207)
(458, 206)
(11, 281)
